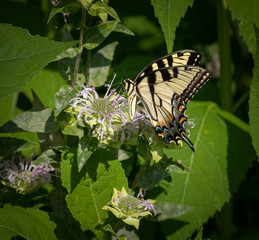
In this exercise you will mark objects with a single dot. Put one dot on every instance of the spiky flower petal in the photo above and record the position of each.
(103, 114)
(24, 176)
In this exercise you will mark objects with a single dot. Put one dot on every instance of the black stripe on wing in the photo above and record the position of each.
(179, 58)
(183, 80)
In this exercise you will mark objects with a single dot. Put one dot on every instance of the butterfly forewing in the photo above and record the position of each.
(175, 59)
(165, 86)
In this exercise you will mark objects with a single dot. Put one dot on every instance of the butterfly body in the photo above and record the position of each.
(164, 87)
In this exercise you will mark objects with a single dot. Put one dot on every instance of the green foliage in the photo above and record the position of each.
(10, 145)
(45, 85)
(39, 77)
(254, 98)
(92, 186)
(26, 222)
(31, 121)
(100, 65)
(30, 54)
(206, 190)
(246, 13)
(96, 35)
(169, 14)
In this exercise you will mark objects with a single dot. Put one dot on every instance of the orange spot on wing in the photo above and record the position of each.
(171, 117)
(161, 134)
(162, 124)
(178, 99)
(180, 108)
(181, 120)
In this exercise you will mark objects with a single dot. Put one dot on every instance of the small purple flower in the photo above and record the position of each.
(139, 125)
(148, 205)
(140, 194)
(64, 14)
(24, 176)
(103, 114)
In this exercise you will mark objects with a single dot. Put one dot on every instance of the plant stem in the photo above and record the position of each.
(88, 57)
(240, 101)
(80, 47)
(223, 22)
(140, 172)
(224, 218)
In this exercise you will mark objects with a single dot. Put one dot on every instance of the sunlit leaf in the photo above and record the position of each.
(7, 108)
(101, 8)
(167, 210)
(92, 186)
(206, 189)
(45, 85)
(123, 29)
(96, 35)
(31, 121)
(23, 56)
(100, 65)
(63, 97)
(28, 223)
(86, 147)
(48, 156)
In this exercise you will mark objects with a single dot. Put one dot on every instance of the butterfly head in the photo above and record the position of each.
(128, 84)
(127, 80)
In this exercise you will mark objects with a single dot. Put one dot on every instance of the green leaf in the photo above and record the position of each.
(240, 150)
(157, 172)
(207, 189)
(246, 11)
(232, 118)
(37, 105)
(63, 97)
(31, 121)
(11, 145)
(199, 234)
(91, 188)
(240, 155)
(23, 56)
(31, 224)
(45, 85)
(100, 65)
(95, 36)
(66, 6)
(169, 14)
(86, 3)
(49, 156)
(167, 210)
(123, 29)
(71, 126)
(86, 147)
(254, 100)
(102, 8)
(7, 108)
(127, 233)
(218, 165)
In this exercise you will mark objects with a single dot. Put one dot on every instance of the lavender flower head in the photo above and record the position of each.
(129, 208)
(24, 176)
(103, 114)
